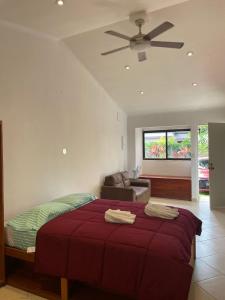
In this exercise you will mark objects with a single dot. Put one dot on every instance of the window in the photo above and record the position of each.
(167, 144)
(204, 163)
(155, 145)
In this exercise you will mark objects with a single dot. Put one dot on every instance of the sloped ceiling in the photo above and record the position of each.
(167, 76)
(75, 16)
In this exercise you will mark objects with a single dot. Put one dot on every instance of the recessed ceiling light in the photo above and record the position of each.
(141, 92)
(64, 151)
(190, 53)
(127, 67)
(195, 84)
(60, 2)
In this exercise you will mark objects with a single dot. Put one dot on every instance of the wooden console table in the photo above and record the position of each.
(172, 187)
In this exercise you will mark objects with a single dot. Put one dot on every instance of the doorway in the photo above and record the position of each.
(203, 163)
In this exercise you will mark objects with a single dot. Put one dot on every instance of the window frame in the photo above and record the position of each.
(166, 132)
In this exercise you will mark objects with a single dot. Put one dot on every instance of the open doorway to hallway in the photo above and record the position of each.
(203, 163)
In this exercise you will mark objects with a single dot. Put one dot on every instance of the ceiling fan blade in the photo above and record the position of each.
(119, 35)
(142, 56)
(158, 30)
(115, 50)
(174, 45)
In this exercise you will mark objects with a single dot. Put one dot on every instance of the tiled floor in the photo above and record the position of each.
(10, 293)
(208, 281)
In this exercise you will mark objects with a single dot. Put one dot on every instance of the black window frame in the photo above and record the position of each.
(166, 132)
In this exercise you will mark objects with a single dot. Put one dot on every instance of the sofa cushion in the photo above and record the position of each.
(114, 180)
(139, 190)
(142, 193)
(126, 179)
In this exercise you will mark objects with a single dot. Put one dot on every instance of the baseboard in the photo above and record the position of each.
(217, 207)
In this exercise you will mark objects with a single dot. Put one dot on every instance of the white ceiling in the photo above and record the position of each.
(75, 16)
(167, 76)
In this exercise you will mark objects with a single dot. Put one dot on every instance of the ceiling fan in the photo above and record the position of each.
(142, 41)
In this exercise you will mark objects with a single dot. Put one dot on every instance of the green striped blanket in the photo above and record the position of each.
(21, 231)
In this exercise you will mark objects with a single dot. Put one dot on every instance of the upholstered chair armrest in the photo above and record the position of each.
(118, 193)
(140, 182)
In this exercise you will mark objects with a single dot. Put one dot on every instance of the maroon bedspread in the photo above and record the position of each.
(147, 260)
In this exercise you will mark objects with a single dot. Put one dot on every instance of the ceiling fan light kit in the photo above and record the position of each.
(140, 42)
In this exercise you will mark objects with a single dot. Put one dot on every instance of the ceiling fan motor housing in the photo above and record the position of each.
(139, 44)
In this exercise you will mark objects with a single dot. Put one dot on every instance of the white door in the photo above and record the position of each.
(217, 164)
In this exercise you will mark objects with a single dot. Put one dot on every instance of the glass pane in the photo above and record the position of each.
(179, 144)
(155, 145)
(204, 163)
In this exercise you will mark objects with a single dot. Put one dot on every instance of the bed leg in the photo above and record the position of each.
(64, 289)
(194, 246)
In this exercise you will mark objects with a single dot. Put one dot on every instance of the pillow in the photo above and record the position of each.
(126, 179)
(34, 218)
(76, 200)
(114, 180)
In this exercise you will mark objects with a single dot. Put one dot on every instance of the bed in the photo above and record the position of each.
(147, 260)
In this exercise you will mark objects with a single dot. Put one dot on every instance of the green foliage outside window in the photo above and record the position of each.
(177, 148)
(203, 141)
(156, 149)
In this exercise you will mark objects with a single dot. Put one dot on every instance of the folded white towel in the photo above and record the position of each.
(161, 211)
(119, 216)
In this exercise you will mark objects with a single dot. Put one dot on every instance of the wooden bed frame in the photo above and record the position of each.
(22, 255)
(29, 257)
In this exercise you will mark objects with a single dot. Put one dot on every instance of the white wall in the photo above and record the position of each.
(167, 167)
(48, 101)
(185, 119)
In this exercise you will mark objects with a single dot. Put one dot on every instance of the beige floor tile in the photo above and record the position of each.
(203, 271)
(216, 261)
(215, 287)
(210, 247)
(197, 293)
(11, 293)
(217, 244)
(203, 250)
(212, 233)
